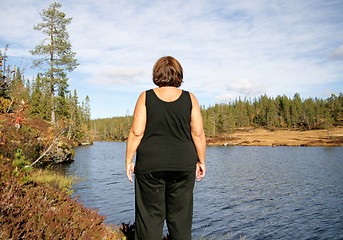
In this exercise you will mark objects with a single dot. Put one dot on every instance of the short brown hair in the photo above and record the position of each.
(167, 71)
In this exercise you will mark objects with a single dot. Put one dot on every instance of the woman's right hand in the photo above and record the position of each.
(200, 171)
(130, 168)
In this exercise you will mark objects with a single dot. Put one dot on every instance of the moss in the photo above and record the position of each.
(51, 178)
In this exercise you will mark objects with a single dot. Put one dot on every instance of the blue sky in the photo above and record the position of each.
(228, 49)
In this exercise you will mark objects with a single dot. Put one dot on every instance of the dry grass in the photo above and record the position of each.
(284, 137)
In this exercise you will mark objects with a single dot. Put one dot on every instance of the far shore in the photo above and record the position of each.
(280, 137)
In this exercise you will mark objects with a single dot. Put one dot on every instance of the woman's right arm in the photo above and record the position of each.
(135, 135)
(198, 136)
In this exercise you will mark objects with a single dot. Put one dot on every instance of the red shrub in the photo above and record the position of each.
(31, 211)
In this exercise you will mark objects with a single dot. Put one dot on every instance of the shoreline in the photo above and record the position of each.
(280, 137)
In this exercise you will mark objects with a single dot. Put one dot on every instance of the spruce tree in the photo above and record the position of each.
(40, 100)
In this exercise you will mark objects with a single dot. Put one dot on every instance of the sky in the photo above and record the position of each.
(228, 49)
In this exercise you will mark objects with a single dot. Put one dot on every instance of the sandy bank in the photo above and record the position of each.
(263, 137)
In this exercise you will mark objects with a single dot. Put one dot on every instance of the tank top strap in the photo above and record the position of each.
(148, 94)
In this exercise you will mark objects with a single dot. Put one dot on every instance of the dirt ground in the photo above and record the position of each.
(263, 137)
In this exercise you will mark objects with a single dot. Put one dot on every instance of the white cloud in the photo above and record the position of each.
(337, 54)
(110, 76)
(227, 48)
(19, 18)
(245, 88)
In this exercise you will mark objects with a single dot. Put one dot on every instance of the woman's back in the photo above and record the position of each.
(167, 142)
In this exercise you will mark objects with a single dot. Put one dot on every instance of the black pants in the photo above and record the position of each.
(164, 196)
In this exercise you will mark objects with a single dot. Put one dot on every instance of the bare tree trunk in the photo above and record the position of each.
(53, 117)
(52, 77)
(9, 107)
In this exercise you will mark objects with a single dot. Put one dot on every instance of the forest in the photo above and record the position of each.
(21, 97)
(32, 116)
(40, 122)
(271, 113)
(35, 112)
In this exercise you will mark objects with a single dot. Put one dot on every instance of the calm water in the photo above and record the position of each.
(257, 192)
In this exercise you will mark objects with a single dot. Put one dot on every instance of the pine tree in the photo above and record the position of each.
(271, 114)
(55, 52)
(18, 92)
(62, 106)
(74, 125)
(296, 110)
(87, 112)
(309, 112)
(241, 113)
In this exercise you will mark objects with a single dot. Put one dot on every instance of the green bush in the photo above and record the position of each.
(20, 163)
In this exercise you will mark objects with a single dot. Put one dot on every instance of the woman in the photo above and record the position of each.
(168, 139)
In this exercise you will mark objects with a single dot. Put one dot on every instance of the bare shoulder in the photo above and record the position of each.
(192, 96)
(194, 99)
(140, 104)
(142, 94)
(141, 97)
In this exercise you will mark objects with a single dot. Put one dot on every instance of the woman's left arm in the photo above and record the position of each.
(135, 135)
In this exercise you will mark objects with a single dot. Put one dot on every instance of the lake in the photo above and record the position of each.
(256, 192)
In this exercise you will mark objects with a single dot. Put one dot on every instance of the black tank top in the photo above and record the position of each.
(167, 143)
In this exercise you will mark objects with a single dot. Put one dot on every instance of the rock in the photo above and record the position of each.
(61, 152)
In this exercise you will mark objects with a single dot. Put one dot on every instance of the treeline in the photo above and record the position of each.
(273, 113)
(266, 112)
(111, 129)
